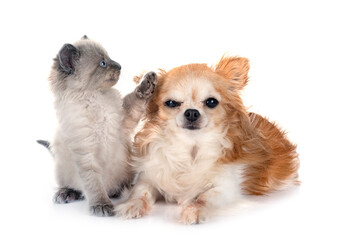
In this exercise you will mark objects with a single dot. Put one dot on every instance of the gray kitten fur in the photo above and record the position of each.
(92, 143)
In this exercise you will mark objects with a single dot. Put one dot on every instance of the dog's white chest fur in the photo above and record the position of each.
(183, 166)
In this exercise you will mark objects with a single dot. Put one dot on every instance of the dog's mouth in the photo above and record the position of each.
(191, 126)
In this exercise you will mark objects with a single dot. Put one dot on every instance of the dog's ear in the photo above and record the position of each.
(235, 70)
(68, 56)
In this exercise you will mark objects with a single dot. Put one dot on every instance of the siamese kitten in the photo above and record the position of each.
(92, 142)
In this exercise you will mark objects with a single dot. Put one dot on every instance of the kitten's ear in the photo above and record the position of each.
(68, 57)
(84, 37)
(235, 70)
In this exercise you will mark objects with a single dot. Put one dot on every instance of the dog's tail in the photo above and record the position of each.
(45, 144)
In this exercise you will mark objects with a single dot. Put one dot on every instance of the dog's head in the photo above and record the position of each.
(196, 97)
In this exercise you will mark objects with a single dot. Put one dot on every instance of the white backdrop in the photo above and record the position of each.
(296, 53)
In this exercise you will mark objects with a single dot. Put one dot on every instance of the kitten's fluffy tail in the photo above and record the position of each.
(45, 144)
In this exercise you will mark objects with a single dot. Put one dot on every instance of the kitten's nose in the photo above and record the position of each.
(191, 115)
(115, 65)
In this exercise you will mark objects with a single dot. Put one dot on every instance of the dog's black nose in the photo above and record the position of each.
(115, 65)
(191, 115)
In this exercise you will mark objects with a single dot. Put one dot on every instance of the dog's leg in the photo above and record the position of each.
(141, 200)
(226, 190)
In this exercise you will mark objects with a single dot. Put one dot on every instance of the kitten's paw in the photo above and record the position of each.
(102, 209)
(146, 89)
(67, 195)
(134, 208)
(193, 214)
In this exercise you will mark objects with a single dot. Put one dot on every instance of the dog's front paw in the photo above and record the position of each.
(146, 88)
(134, 208)
(193, 214)
(67, 195)
(102, 209)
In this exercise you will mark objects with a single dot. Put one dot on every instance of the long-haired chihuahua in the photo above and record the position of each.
(200, 147)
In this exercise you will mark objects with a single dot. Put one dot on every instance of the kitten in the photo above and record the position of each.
(92, 143)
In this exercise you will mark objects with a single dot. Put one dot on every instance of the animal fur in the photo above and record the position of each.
(92, 143)
(205, 157)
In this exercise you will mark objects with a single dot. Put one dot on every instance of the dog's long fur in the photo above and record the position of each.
(231, 152)
(92, 143)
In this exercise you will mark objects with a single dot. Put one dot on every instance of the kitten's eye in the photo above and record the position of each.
(103, 64)
(211, 102)
(172, 104)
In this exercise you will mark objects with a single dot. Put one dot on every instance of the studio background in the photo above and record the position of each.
(296, 54)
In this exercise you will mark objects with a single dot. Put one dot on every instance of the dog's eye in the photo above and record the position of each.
(211, 102)
(172, 104)
(102, 64)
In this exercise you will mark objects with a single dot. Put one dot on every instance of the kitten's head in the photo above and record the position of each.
(85, 65)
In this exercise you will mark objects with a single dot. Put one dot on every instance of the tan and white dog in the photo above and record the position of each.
(201, 148)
